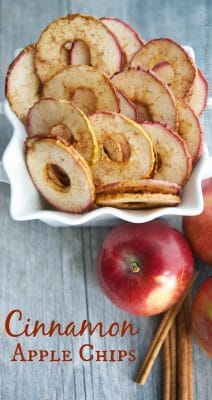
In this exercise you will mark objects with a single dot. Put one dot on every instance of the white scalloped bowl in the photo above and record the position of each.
(27, 204)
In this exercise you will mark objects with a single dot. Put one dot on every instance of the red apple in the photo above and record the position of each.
(202, 316)
(145, 268)
(198, 229)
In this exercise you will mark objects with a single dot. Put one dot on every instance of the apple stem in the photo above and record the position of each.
(135, 267)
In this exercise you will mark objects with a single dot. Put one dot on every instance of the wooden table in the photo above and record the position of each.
(49, 273)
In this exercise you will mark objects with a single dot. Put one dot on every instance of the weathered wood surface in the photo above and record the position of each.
(49, 273)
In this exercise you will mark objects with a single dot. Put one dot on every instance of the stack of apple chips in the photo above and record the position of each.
(111, 120)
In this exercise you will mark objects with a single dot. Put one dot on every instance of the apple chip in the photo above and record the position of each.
(60, 174)
(126, 150)
(190, 130)
(166, 50)
(86, 87)
(129, 40)
(22, 86)
(51, 54)
(61, 118)
(173, 160)
(145, 89)
(140, 186)
(137, 200)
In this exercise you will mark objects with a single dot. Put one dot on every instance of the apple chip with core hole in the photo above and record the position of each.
(159, 50)
(140, 185)
(198, 99)
(129, 40)
(137, 200)
(86, 87)
(145, 89)
(52, 56)
(61, 118)
(126, 106)
(173, 160)
(60, 174)
(126, 150)
(22, 85)
(190, 130)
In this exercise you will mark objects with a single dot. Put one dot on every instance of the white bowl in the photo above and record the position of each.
(27, 204)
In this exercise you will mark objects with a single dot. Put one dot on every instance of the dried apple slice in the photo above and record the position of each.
(22, 85)
(126, 106)
(130, 41)
(137, 200)
(60, 174)
(160, 50)
(173, 160)
(198, 99)
(61, 118)
(85, 86)
(139, 186)
(140, 206)
(51, 54)
(190, 130)
(145, 89)
(138, 158)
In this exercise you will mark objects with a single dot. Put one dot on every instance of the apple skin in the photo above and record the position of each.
(202, 316)
(145, 268)
(198, 229)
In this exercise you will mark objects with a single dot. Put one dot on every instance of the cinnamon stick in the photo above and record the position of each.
(169, 365)
(184, 356)
(187, 307)
(159, 338)
(172, 342)
(166, 369)
(154, 342)
(153, 350)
